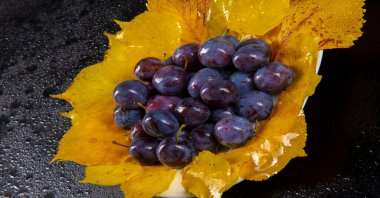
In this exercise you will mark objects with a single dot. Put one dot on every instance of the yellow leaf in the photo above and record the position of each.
(110, 175)
(89, 142)
(192, 15)
(216, 23)
(209, 175)
(255, 17)
(151, 181)
(337, 23)
(274, 153)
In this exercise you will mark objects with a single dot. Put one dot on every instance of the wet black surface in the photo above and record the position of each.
(45, 43)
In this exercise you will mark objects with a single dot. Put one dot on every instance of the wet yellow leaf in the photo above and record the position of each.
(151, 181)
(216, 23)
(209, 175)
(273, 154)
(337, 23)
(89, 142)
(254, 17)
(192, 15)
(110, 175)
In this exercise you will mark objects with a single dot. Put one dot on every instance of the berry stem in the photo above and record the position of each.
(163, 60)
(186, 63)
(224, 33)
(141, 105)
(256, 125)
(217, 148)
(179, 131)
(119, 144)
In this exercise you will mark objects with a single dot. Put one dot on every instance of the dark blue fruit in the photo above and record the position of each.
(187, 54)
(125, 118)
(257, 42)
(152, 90)
(192, 112)
(144, 150)
(199, 79)
(230, 39)
(189, 75)
(169, 61)
(250, 57)
(243, 81)
(216, 53)
(219, 93)
(224, 74)
(137, 131)
(167, 103)
(221, 113)
(129, 92)
(254, 105)
(160, 123)
(175, 153)
(170, 80)
(229, 70)
(147, 67)
(234, 131)
(203, 138)
(274, 77)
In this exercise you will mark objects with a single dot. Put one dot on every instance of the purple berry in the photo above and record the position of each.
(160, 123)
(254, 105)
(250, 57)
(175, 153)
(129, 92)
(144, 150)
(187, 53)
(169, 61)
(221, 113)
(230, 39)
(147, 67)
(203, 138)
(170, 80)
(189, 75)
(125, 118)
(167, 103)
(234, 131)
(192, 112)
(199, 79)
(224, 74)
(152, 90)
(243, 81)
(257, 42)
(216, 53)
(219, 93)
(137, 131)
(274, 77)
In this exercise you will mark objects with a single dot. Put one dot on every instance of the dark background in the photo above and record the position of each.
(45, 43)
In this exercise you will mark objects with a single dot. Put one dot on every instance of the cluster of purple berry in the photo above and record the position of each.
(204, 97)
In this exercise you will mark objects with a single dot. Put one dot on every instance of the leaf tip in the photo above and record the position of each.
(59, 96)
(55, 159)
(69, 114)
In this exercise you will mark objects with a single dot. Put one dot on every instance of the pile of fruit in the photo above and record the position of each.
(204, 97)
